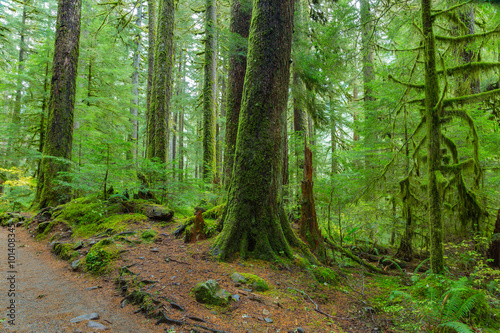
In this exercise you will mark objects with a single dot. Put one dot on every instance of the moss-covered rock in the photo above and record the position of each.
(101, 256)
(325, 275)
(148, 236)
(256, 282)
(65, 250)
(211, 293)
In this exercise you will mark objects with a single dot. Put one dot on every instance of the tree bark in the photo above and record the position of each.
(241, 13)
(210, 93)
(494, 250)
(151, 64)
(433, 141)
(132, 155)
(59, 138)
(255, 223)
(158, 122)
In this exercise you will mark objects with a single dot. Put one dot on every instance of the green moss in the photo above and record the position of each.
(257, 283)
(84, 210)
(325, 275)
(101, 256)
(118, 223)
(148, 236)
(65, 251)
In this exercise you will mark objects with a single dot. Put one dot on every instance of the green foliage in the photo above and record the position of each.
(83, 211)
(65, 251)
(18, 189)
(324, 275)
(148, 236)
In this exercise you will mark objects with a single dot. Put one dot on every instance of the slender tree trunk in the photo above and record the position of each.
(43, 124)
(59, 139)
(151, 63)
(161, 93)
(433, 141)
(494, 250)
(210, 92)
(132, 155)
(241, 13)
(255, 223)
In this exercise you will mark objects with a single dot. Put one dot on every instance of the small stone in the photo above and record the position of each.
(266, 312)
(236, 297)
(78, 245)
(238, 278)
(155, 250)
(97, 326)
(142, 258)
(93, 288)
(245, 316)
(85, 317)
(75, 264)
(268, 320)
(299, 330)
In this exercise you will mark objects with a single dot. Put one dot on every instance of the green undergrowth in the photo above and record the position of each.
(437, 303)
(100, 259)
(148, 236)
(117, 223)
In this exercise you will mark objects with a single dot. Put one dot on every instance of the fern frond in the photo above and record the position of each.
(457, 326)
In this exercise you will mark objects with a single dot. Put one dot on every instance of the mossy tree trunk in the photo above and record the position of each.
(494, 250)
(151, 63)
(210, 92)
(308, 226)
(59, 136)
(432, 111)
(241, 13)
(161, 92)
(255, 222)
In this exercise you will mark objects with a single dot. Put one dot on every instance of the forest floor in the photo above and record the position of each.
(50, 294)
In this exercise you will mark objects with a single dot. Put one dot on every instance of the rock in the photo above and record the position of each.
(155, 250)
(75, 264)
(298, 330)
(236, 297)
(266, 312)
(85, 317)
(97, 326)
(159, 213)
(41, 227)
(260, 285)
(238, 278)
(210, 292)
(268, 320)
(78, 245)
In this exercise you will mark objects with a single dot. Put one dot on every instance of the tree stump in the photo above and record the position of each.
(197, 231)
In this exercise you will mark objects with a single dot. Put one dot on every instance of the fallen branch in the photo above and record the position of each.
(348, 253)
(317, 309)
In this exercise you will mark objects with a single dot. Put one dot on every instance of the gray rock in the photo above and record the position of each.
(155, 250)
(238, 278)
(75, 264)
(97, 326)
(85, 317)
(236, 297)
(210, 292)
(78, 245)
(159, 213)
(299, 330)
(268, 320)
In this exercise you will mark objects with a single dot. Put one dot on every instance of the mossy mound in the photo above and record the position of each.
(325, 275)
(148, 236)
(99, 260)
(211, 293)
(256, 282)
(65, 251)
(111, 224)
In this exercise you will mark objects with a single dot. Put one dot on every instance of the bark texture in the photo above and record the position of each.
(241, 13)
(59, 137)
(432, 111)
(161, 93)
(210, 92)
(494, 250)
(255, 222)
(151, 64)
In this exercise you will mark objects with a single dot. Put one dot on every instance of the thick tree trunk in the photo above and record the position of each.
(255, 223)
(308, 226)
(210, 92)
(132, 155)
(162, 88)
(59, 139)
(241, 13)
(433, 141)
(151, 64)
(494, 250)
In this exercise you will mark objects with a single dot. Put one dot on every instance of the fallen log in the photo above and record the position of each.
(351, 256)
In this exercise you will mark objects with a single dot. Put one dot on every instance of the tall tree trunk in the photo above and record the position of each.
(241, 13)
(368, 78)
(59, 139)
(151, 64)
(132, 155)
(494, 250)
(16, 114)
(210, 92)
(255, 223)
(433, 140)
(161, 92)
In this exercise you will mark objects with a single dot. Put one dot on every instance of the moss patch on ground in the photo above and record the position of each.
(99, 260)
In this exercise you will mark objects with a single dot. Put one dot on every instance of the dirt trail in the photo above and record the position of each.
(48, 295)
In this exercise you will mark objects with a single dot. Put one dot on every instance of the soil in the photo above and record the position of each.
(50, 294)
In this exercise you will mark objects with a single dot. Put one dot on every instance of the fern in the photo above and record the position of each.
(402, 294)
(457, 326)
